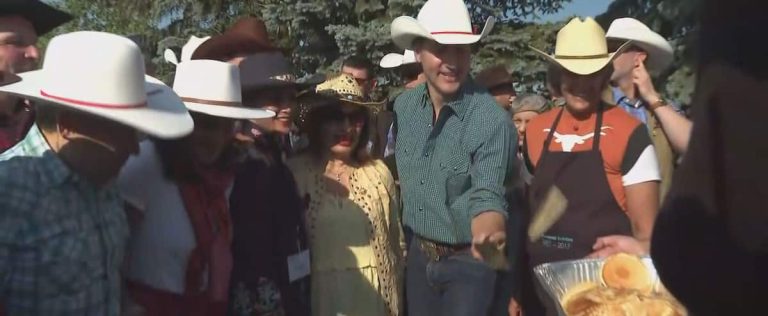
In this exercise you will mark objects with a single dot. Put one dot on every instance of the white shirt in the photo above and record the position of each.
(160, 245)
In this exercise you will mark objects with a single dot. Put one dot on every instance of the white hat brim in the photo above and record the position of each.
(582, 66)
(660, 52)
(165, 115)
(405, 30)
(232, 112)
(391, 60)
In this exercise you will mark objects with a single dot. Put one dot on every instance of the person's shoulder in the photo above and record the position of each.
(616, 114)
(544, 120)
(409, 96)
(378, 173)
(619, 120)
(140, 166)
(20, 182)
(300, 163)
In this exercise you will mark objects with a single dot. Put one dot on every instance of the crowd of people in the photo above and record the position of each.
(240, 189)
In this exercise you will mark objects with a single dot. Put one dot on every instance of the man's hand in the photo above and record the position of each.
(488, 231)
(642, 80)
(609, 245)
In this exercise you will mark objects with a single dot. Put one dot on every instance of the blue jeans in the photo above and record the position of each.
(459, 285)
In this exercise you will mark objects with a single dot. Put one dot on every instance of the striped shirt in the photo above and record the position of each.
(452, 168)
(61, 240)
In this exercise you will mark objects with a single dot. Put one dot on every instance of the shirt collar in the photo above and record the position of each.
(54, 171)
(458, 106)
(617, 95)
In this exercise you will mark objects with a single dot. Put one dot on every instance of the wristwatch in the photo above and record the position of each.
(657, 104)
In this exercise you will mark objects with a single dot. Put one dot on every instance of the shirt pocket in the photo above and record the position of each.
(71, 263)
(457, 177)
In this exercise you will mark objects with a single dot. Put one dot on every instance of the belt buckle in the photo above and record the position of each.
(430, 249)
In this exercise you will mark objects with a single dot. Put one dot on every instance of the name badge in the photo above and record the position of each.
(298, 266)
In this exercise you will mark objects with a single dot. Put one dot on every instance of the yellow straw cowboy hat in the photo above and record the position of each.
(581, 48)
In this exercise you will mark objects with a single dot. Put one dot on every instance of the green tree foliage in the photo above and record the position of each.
(318, 34)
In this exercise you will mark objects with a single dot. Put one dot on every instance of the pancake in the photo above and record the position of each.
(623, 271)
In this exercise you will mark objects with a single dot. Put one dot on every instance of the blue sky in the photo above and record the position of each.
(580, 8)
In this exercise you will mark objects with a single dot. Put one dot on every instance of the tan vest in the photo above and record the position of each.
(663, 152)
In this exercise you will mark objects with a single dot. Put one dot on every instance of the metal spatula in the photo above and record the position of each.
(548, 213)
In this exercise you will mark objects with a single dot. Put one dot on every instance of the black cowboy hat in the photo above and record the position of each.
(43, 17)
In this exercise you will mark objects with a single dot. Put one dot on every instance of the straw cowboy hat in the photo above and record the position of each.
(660, 52)
(444, 21)
(346, 88)
(102, 74)
(247, 34)
(342, 87)
(394, 60)
(186, 51)
(43, 17)
(581, 47)
(213, 88)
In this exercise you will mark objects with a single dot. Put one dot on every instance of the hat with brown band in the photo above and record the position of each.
(213, 88)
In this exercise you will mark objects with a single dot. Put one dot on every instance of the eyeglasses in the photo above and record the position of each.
(336, 114)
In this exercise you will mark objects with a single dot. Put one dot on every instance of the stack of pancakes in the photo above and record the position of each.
(627, 290)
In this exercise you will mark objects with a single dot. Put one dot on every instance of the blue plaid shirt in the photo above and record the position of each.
(62, 240)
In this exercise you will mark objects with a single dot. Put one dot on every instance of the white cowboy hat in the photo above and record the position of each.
(186, 51)
(660, 52)
(394, 60)
(581, 47)
(444, 21)
(103, 74)
(213, 88)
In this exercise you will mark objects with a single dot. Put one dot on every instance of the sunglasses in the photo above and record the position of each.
(337, 114)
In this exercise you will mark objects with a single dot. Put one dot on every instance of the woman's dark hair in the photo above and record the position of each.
(175, 158)
(316, 111)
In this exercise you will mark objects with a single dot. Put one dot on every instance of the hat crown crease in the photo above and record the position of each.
(113, 75)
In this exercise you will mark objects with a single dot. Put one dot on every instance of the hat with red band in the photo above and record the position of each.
(444, 21)
(102, 74)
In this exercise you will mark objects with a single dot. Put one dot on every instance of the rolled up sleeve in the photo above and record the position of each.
(490, 167)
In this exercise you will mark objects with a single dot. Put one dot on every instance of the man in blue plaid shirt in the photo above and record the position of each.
(63, 228)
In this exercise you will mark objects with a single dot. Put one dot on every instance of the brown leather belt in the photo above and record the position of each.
(437, 251)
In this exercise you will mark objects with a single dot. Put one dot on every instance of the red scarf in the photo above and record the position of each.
(206, 205)
(210, 263)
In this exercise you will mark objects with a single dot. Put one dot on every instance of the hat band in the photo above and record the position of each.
(582, 57)
(452, 33)
(93, 104)
(212, 102)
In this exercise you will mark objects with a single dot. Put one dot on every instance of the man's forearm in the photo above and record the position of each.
(676, 127)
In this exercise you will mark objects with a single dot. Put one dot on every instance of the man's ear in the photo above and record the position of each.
(374, 83)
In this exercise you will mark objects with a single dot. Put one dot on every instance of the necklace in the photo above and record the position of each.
(338, 175)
